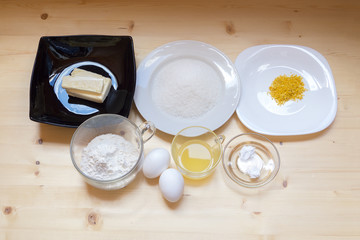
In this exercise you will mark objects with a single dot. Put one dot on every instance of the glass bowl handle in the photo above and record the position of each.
(147, 130)
(220, 139)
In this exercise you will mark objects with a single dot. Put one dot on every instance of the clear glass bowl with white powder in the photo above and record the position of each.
(251, 160)
(107, 150)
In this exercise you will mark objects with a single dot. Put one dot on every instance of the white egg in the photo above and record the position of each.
(171, 184)
(156, 162)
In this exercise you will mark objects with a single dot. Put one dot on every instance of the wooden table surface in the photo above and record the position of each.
(316, 194)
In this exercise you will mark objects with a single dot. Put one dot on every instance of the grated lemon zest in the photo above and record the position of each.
(285, 88)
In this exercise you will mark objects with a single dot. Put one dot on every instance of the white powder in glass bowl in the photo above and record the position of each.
(186, 88)
(108, 156)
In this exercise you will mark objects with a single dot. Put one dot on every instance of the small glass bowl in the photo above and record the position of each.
(196, 151)
(115, 124)
(264, 148)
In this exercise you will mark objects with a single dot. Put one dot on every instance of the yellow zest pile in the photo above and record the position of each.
(285, 88)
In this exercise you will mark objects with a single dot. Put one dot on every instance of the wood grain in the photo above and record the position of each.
(315, 196)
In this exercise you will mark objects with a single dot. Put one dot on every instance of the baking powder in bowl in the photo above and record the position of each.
(251, 164)
(187, 88)
(108, 156)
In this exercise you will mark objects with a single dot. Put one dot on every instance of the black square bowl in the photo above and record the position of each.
(57, 56)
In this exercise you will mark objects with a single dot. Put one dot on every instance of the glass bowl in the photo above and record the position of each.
(196, 151)
(114, 124)
(240, 170)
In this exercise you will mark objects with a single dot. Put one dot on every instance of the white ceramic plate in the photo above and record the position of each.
(258, 66)
(186, 83)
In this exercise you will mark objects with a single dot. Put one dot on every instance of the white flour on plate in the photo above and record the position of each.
(108, 156)
(186, 88)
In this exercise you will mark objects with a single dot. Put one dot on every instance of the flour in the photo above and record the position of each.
(186, 88)
(108, 156)
(251, 164)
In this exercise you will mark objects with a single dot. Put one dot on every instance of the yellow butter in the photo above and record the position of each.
(84, 73)
(83, 83)
(92, 96)
(87, 85)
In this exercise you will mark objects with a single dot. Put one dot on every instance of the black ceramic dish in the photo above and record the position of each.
(111, 56)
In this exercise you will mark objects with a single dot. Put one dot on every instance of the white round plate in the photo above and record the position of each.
(258, 66)
(168, 86)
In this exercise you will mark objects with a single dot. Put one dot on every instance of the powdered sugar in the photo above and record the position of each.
(108, 156)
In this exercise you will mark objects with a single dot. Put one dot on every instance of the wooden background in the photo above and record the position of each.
(315, 196)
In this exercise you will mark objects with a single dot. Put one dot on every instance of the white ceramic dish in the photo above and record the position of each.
(183, 61)
(258, 66)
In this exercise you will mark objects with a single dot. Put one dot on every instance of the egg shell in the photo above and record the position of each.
(171, 184)
(155, 162)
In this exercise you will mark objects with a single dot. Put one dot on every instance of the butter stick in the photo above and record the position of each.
(92, 96)
(78, 72)
(83, 83)
(86, 85)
